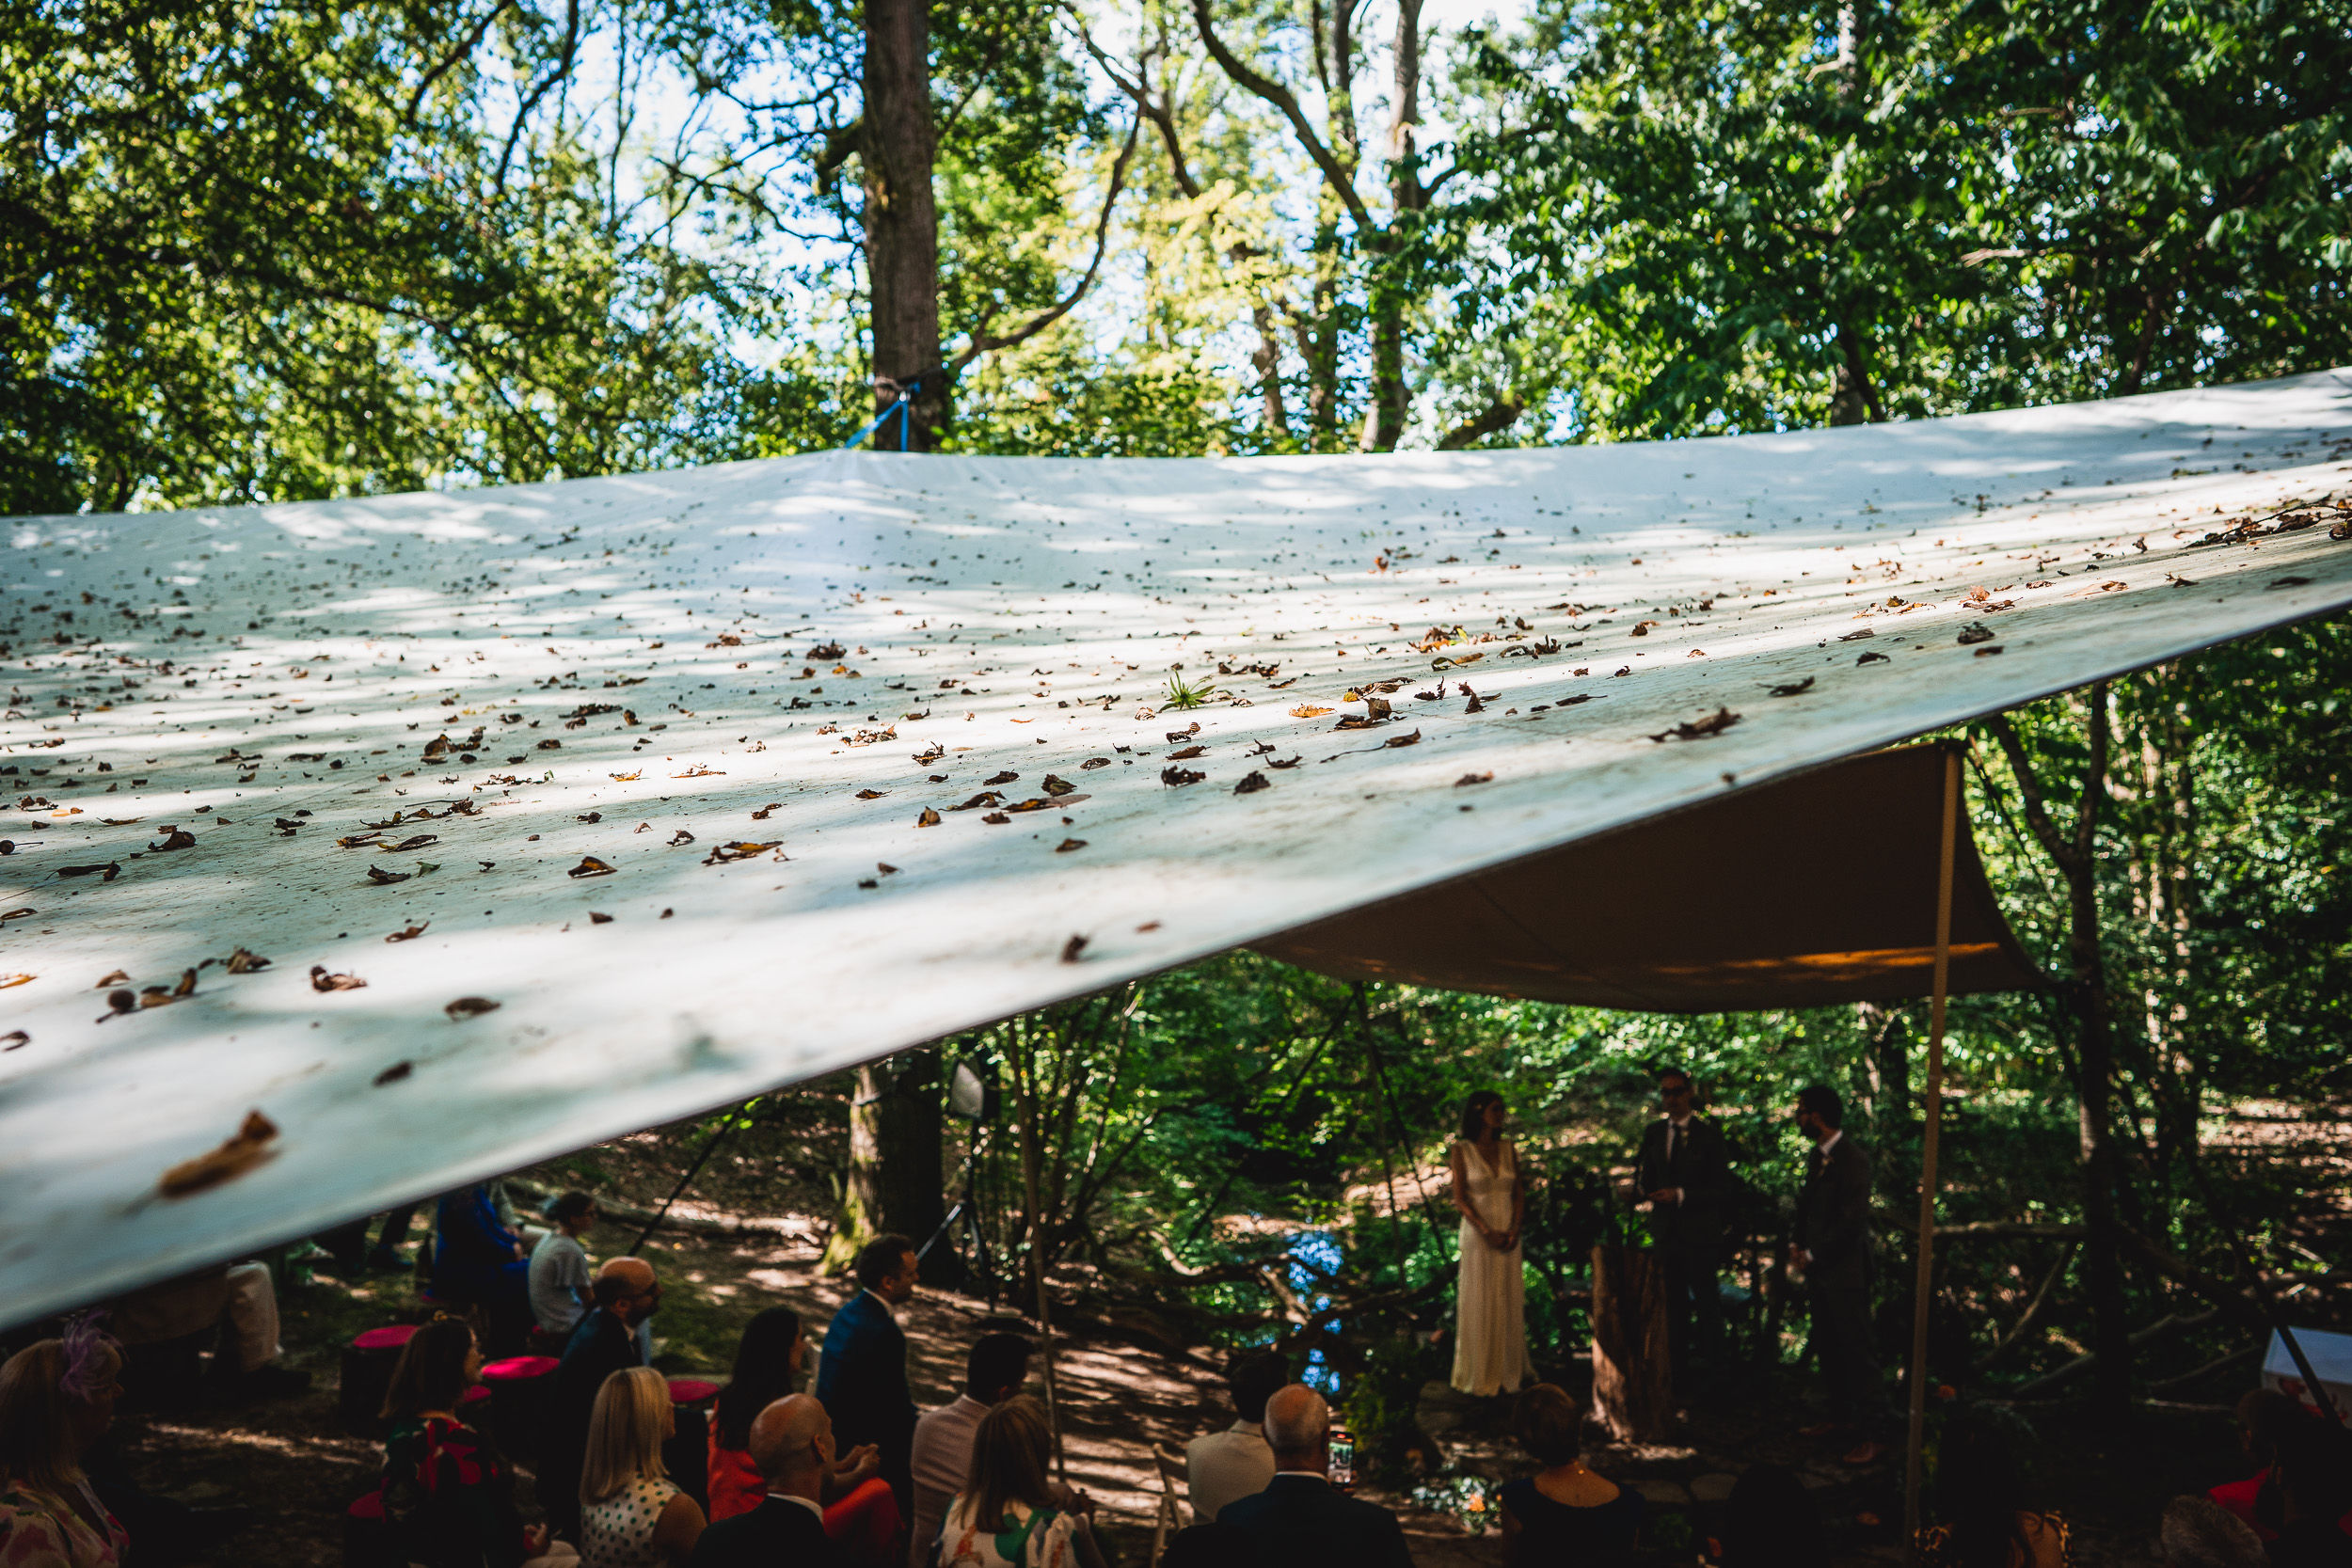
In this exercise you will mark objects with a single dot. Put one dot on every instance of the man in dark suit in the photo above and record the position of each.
(604, 1342)
(792, 1445)
(1298, 1518)
(862, 1373)
(1685, 1174)
(1832, 1250)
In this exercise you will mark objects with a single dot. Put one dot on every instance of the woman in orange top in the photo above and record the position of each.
(860, 1512)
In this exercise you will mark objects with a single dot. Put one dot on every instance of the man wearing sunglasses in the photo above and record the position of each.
(1684, 1173)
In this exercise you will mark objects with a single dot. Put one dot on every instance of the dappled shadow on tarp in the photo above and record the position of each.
(1810, 891)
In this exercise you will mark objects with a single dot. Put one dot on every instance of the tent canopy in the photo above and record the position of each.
(626, 798)
(1799, 893)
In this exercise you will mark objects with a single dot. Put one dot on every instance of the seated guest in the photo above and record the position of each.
(1564, 1512)
(791, 1442)
(2265, 1416)
(626, 1293)
(2313, 1470)
(449, 1494)
(1772, 1521)
(557, 1271)
(2199, 1532)
(1236, 1462)
(860, 1512)
(1212, 1545)
(1985, 1521)
(477, 1262)
(238, 1299)
(56, 1400)
(632, 1515)
(862, 1376)
(992, 1373)
(1010, 1514)
(1298, 1518)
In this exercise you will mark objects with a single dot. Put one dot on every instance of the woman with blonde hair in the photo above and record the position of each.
(632, 1515)
(1010, 1514)
(56, 1400)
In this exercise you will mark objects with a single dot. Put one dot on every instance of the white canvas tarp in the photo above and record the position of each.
(749, 690)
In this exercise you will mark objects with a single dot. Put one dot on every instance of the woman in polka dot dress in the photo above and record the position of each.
(632, 1515)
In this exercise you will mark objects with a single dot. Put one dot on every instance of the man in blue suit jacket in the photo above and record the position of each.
(862, 1373)
(1298, 1518)
(792, 1445)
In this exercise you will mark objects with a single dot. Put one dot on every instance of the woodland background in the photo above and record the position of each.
(252, 252)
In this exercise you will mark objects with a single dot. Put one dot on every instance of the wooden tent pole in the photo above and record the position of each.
(1921, 1291)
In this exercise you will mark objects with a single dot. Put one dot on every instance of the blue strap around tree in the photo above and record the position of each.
(903, 408)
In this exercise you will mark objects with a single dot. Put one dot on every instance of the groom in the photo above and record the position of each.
(1684, 1173)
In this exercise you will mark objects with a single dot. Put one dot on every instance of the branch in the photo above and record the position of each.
(1282, 98)
(1140, 93)
(2045, 831)
(473, 41)
(983, 343)
(2094, 779)
(2172, 1322)
(2241, 1308)
(1500, 415)
(522, 115)
(2017, 1336)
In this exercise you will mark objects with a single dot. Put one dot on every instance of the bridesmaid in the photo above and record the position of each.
(1490, 1342)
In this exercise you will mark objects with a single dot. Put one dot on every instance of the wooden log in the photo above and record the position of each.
(1632, 1371)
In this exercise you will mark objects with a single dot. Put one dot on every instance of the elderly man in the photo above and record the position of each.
(792, 1445)
(1298, 1518)
(625, 1294)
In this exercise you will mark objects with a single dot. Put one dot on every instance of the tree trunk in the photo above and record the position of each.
(903, 221)
(894, 1182)
(1632, 1391)
(2095, 1043)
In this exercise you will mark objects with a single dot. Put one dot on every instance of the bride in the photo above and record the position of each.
(1490, 1340)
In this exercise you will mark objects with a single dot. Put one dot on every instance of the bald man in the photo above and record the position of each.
(1298, 1518)
(625, 1294)
(792, 1445)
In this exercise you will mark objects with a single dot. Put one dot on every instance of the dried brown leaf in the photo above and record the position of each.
(232, 1159)
(591, 866)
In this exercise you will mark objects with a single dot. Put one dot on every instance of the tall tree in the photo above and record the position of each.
(899, 145)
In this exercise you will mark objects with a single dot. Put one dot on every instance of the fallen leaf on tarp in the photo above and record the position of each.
(2289, 582)
(248, 1148)
(1854, 636)
(1187, 753)
(1356, 721)
(1986, 653)
(1474, 779)
(761, 815)
(925, 758)
(741, 850)
(825, 651)
(245, 961)
(9, 980)
(1973, 634)
(470, 1007)
(550, 744)
(865, 738)
(437, 748)
(1185, 733)
(871, 794)
(1045, 803)
(409, 934)
(15, 1039)
(18, 915)
(1453, 663)
(118, 978)
(1874, 658)
(1308, 710)
(382, 877)
(120, 821)
(393, 1075)
(1251, 782)
(996, 819)
(595, 919)
(1396, 740)
(929, 818)
(1181, 776)
(1713, 724)
(625, 778)
(1571, 702)
(1059, 787)
(1621, 669)
(1791, 688)
(415, 842)
(591, 866)
(985, 798)
(1068, 843)
(1476, 703)
(1096, 761)
(681, 837)
(1072, 948)
(359, 841)
(104, 873)
(174, 838)
(321, 981)
(1292, 763)
(699, 771)
(1005, 777)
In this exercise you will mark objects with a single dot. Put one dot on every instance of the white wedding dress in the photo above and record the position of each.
(1490, 1327)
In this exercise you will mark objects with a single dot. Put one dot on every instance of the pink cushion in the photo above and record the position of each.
(691, 1390)
(520, 1369)
(478, 1392)
(369, 1507)
(390, 1336)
